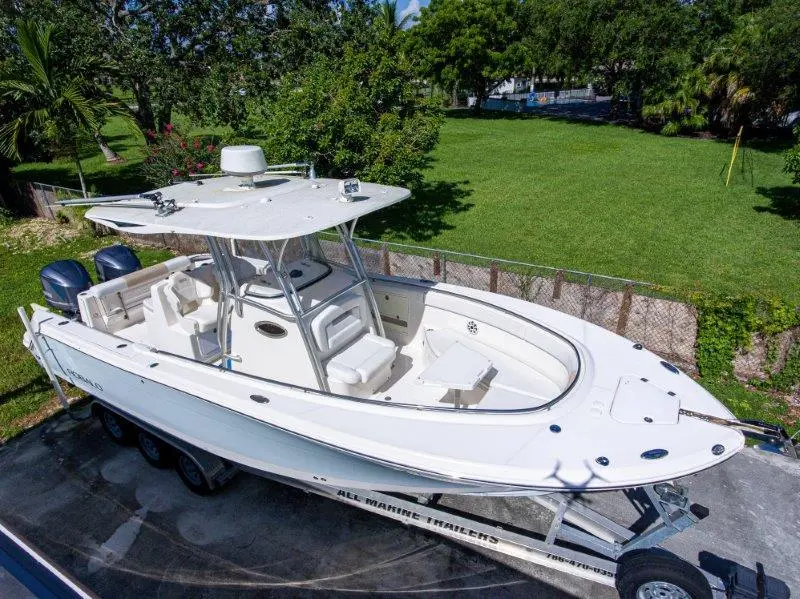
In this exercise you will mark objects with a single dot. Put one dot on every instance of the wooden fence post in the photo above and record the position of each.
(625, 309)
(557, 284)
(493, 277)
(387, 265)
(437, 264)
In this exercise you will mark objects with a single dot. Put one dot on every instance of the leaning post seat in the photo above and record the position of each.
(117, 304)
(181, 316)
(356, 361)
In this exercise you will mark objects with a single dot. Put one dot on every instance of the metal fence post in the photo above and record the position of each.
(493, 277)
(559, 281)
(437, 264)
(444, 269)
(49, 201)
(625, 309)
(387, 265)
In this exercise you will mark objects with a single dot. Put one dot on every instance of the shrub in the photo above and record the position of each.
(355, 116)
(792, 164)
(171, 157)
(725, 325)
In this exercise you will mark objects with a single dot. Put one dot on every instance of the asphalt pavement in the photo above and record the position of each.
(125, 529)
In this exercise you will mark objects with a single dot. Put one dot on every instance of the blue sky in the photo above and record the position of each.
(407, 6)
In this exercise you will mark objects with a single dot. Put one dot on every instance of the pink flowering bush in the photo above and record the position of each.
(171, 157)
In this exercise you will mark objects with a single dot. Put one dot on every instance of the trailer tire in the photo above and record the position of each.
(121, 431)
(191, 475)
(654, 574)
(155, 451)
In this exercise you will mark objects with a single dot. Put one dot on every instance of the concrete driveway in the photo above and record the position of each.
(126, 529)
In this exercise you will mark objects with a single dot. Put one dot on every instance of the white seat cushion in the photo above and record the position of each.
(362, 360)
(339, 323)
(205, 317)
(181, 293)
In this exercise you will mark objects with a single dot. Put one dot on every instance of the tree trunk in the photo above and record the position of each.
(79, 168)
(454, 97)
(144, 107)
(111, 155)
(479, 86)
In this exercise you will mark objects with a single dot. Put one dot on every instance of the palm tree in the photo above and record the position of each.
(682, 109)
(730, 94)
(63, 104)
(389, 16)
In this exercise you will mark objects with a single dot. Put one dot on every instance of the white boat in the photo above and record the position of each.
(278, 352)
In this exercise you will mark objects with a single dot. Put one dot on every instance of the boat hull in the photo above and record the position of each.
(238, 438)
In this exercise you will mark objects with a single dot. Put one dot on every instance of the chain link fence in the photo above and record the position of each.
(40, 198)
(634, 309)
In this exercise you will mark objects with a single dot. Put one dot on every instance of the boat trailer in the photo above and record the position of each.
(580, 541)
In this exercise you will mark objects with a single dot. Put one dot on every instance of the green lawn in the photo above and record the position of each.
(598, 198)
(609, 200)
(25, 393)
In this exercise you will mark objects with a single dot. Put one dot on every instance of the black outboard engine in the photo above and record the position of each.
(62, 281)
(115, 261)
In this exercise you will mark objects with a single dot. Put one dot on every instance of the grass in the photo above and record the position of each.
(590, 197)
(748, 403)
(609, 200)
(25, 393)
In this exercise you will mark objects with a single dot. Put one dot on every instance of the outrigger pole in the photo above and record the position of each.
(156, 200)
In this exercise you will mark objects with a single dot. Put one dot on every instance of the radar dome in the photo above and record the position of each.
(243, 161)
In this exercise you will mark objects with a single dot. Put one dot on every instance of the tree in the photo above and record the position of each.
(390, 16)
(772, 67)
(680, 108)
(557, 36)
(166, 53)
(60, 103)
(471, 43)
(733, 100)
(358, 115)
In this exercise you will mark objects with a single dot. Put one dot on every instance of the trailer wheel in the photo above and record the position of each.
(154, 450)
(191, 475)
(120, 430)
(657, 575)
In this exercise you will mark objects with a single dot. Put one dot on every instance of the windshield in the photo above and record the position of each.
(301, 258)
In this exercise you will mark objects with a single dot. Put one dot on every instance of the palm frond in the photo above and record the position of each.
(12, 133)
(18, 88)
(34, 42)
(85, 112)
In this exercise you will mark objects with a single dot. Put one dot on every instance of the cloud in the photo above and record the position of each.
(411, 9)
